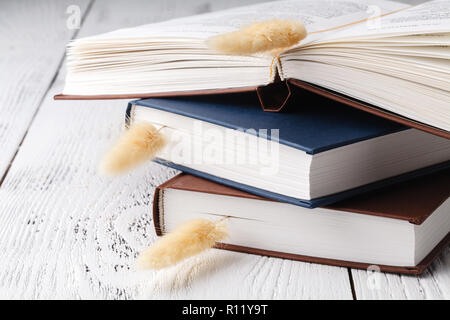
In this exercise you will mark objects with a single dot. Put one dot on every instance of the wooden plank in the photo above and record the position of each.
(32, 44)
(70, 233)
(434, 283)
(231, 275)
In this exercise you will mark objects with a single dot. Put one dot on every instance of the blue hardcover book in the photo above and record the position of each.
(314, 153)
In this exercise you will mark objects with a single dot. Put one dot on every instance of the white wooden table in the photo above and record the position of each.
(66, 232)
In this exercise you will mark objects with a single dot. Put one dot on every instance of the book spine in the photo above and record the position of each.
(157, 212)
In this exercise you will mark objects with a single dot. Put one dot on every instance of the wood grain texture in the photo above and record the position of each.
(434, 283)
(32, 45)
(70, 233)
(222, 274)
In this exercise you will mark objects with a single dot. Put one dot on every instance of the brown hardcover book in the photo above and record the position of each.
(400, 229)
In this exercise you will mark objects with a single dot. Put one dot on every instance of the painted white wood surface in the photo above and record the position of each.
(66, 232)
(69, 233)
(434, 283)
(32, 45)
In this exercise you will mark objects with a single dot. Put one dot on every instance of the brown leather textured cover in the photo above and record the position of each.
(413, 201)
(274, 97)
(153, 95)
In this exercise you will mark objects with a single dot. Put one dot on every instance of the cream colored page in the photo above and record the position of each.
(431, 17)
(315, 14)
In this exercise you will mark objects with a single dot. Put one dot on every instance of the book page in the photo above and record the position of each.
(315, 14)
(431, 18)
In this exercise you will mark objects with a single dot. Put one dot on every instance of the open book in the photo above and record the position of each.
(384, 57)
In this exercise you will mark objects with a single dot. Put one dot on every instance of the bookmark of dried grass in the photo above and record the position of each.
(140, 143)
(188, 239)
(271, 35)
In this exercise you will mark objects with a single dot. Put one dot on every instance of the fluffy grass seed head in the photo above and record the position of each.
(188, 239)
(140, 143)
(271, 35)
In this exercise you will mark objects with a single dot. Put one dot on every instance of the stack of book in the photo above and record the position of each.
(354, 168)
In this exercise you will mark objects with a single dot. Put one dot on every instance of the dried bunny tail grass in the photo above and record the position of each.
(259, 37)
(141, 142)
(188, 239)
